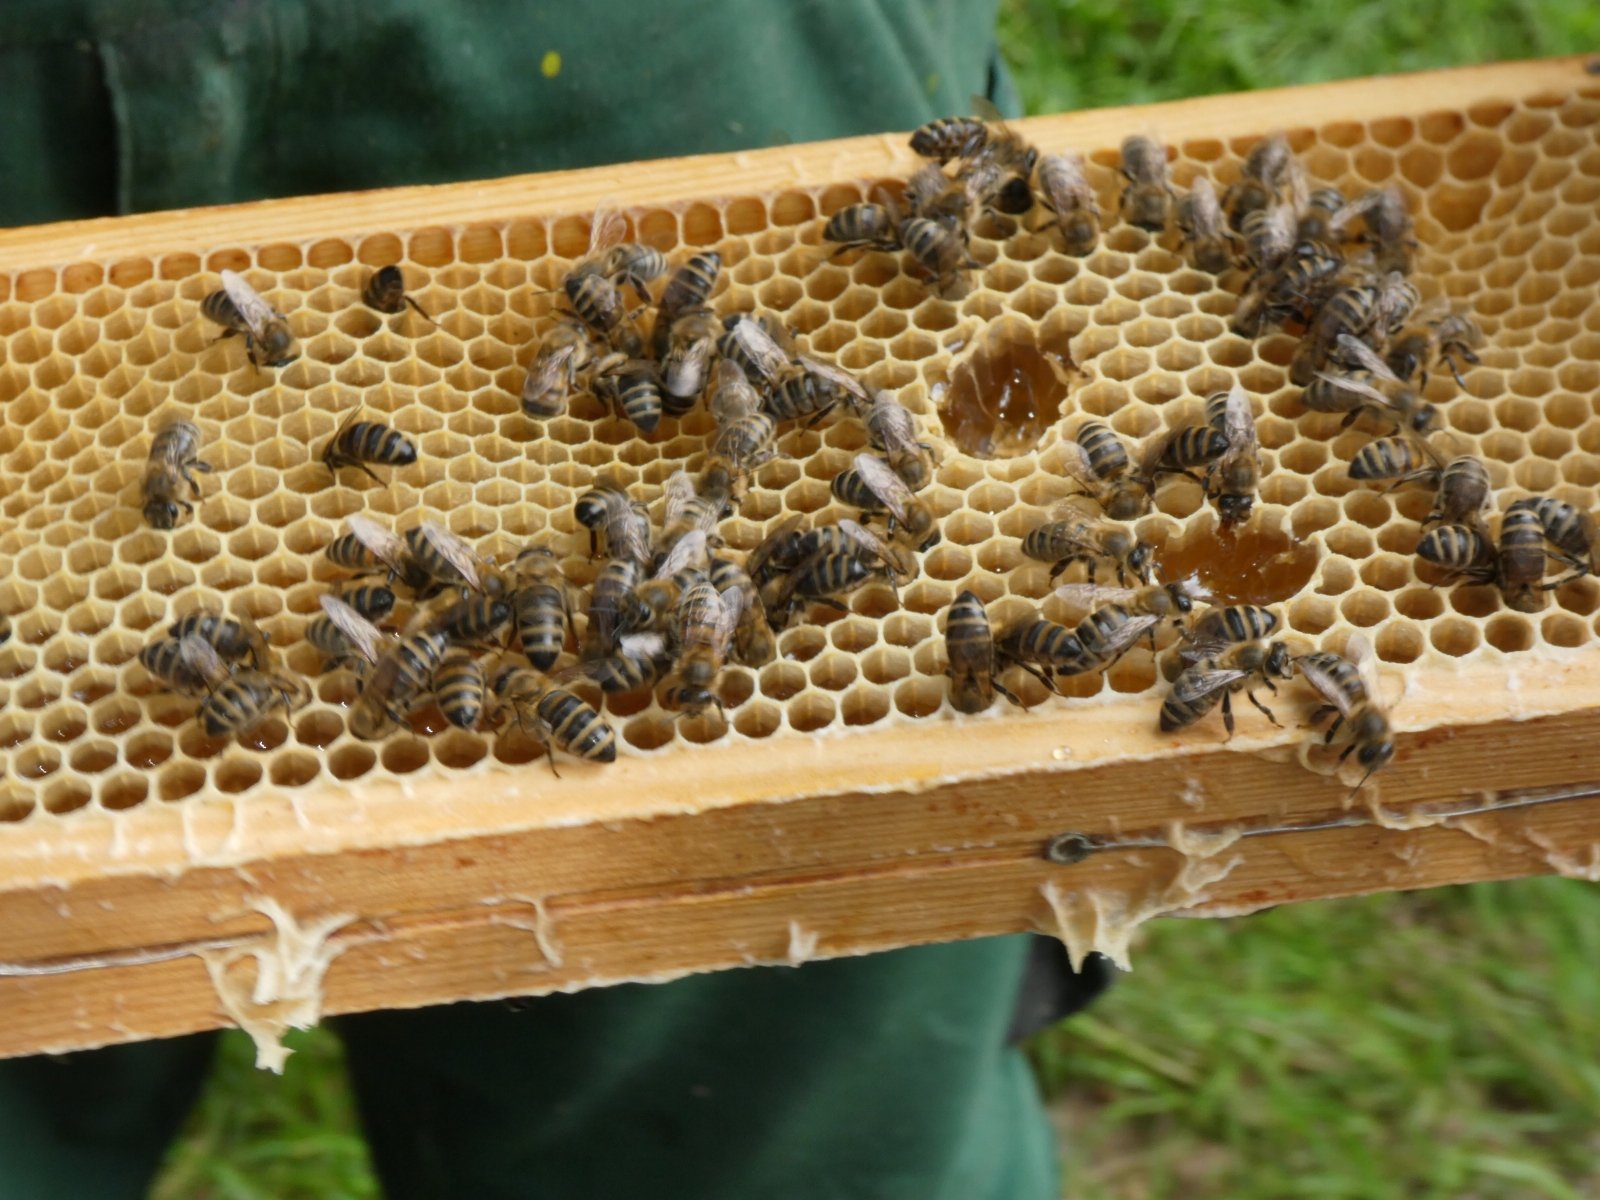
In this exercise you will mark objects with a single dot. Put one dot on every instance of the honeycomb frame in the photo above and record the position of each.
(459, 849)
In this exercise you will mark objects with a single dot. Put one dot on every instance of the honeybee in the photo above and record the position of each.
(1398, 299)
(1119, 617)
(1401, 459)
(1463, 492)
(691, 285)
(479, 621)
(239, 309)
(732, 395)
(541, 605)
(632, 387)
(753, 640)
(1352, 691)
(864, 227)
(385, 290)
(1238, 668)
(1234, 476)
(1351, 310)
(358, 443)
(609, 602)
(687, 510)
(745, 443)
(892, 429)
(1042, 648)
(245, 698)
(1368, 387)
(1521, 562)
(622, 524)
(950, 137)
(969, 647)
(1268, 169)
(1182, 451)
(1220, 627)
(1097, 459)
(1572, 532)
(932, 194)
(596, 301)
(1316, 226)
(1445, 339)
(344, 634)
(1267, 235)
(560, 719)
(1076, 536)
(938, 250)
(637, 662)
(231, 637)
(371, 601)
(997, 174)
(564, 350)
(820, 579)
(873, 487)
(691, 343)
(1204, 231)
(706, 620)
(1460, 552)
(459, 687)
(615, 263)
(399, 676)
(635, 265)
(1387, 227)
(1147, 198)
(441, 556)
(172, 459)
(369, 547)
(1064, 190)
(1295, 290)
(187, 665)
(760, 347)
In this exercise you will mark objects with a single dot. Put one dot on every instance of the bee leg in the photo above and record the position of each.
(550, 755)
(1267, 712)
(1227, 713)
(420, 313)
(1009, 695)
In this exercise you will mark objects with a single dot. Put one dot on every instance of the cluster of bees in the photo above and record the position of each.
(672, 605)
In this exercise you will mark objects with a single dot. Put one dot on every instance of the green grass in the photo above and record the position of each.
(1070, 54)
(1440, 1045)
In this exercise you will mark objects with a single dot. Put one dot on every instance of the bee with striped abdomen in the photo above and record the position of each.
(691, 345)
(760, 346)
(560, 719)
(1522, 559)
(368, 547)
(1234, 476)
(385, 290)
(892, 429)
(1268, 170)
(563, 351)
(1204, 231)
(1065, 192)
(1368, 386)
(616, 523)
(1230, 625)
(231, 637)
(753, 641)
(1463, 493)
(703, 634)
(1572, 532)
(930, 193)
(344, 634)
(1042, 648)
(442, 557)
(188, 665)
(870, 485)
(610, 602)
(169, 466)
(245, 699)
(1147, 196)
(399, 677)
(541, 605)
(970, 651)
(633, 389)
(864, 227)
(1119, 617)
(945, 138)
(638, 661)
(1451, 339)
(1351, 690)
(1239, 668)
(477, 621)
(1098, 460)
(458, 686)
(691, 285)
(360, 443)
(1351, 310)
(1460, 552)
(1400, 460)
(239, 309)
(939, 251)
(1076, 536)
(1387, 225)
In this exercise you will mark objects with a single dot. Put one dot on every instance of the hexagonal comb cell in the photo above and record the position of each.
(998, 376)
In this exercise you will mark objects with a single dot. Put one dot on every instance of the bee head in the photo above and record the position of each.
(1279, 662)
(162, 514)
(1140, 559)
(1235, 507)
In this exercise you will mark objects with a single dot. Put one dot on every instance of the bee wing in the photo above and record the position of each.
(363, 634)
(765, 547)
(1348, 384)
(984, 109)
(1078, 466)
(1359, 651)
(387, 547)
(1207, 210)
(201, 657)
(766, 355)
(686, 552)
(867, 540)
(891, 425)
(454, 551)
(1128, 633)
(1431, 312)
(1239, 422)
(678, 491)
(1358, 354)
(733, 396)
(606, 228)
(1323, 682)
(1359, 207)
(1299, 187)
(728, 621)
(884, 484)
(1198, 682)
(1093, 595)
(255, 311)
(839, 378)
